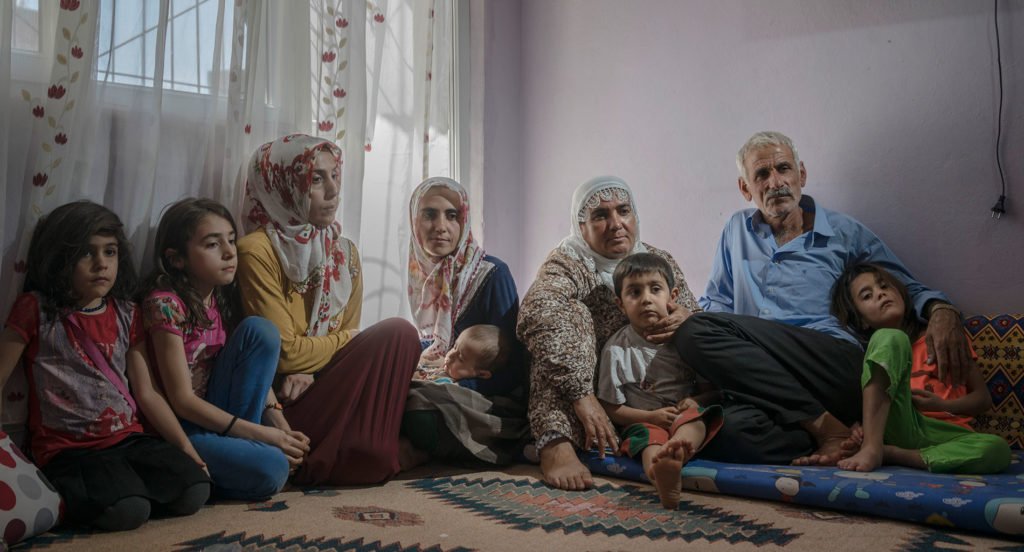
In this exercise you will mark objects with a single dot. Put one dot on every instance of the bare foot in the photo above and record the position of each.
(829, 452)
(867, 459)
(666, 471)
(856, 438)
(562, 469)
(831, 435)
(409, 456)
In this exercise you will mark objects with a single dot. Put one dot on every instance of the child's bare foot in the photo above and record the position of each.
(867, 459)
(666, 471)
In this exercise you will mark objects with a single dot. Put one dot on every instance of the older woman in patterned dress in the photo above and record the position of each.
(566, 317)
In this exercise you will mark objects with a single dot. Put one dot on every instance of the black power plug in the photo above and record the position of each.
(1000, 207)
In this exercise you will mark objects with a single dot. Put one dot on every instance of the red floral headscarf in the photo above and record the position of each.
(441, 288)
(277, 200)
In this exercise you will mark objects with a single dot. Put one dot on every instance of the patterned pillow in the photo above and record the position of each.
(999, 342)
(29, 505)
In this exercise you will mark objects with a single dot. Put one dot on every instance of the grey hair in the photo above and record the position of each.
(760, 140)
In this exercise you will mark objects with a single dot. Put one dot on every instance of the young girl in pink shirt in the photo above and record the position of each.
(218, 385)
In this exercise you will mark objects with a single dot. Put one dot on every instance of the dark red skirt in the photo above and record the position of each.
(353, 411)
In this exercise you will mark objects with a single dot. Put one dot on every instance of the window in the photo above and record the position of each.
(127, 43)
(26, 26)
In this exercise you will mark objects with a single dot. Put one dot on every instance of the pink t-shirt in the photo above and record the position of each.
(165, 311)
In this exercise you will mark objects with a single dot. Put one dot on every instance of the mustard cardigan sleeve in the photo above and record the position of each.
(353, 312)
(266, 292)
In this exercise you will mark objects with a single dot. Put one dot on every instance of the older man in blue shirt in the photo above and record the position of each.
(789, 373)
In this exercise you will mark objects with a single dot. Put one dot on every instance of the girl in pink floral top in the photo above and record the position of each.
(165, 311)
(220, 387)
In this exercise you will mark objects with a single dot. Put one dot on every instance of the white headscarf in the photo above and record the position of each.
(587, 196)
(277, 200)
(440, 288)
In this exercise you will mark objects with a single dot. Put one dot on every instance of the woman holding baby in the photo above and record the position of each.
(478, 414)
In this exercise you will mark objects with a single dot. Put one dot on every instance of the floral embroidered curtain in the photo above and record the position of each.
(143, 102)
(409, 72)
(136, 104)
(116, 121)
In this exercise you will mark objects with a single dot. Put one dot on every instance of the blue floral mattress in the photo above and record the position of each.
(990, 504)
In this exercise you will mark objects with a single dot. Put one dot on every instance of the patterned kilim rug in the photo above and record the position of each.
(441, 509)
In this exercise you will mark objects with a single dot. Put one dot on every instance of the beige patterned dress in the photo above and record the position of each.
(565, 319)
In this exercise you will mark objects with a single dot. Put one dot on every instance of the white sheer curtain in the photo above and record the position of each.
(410, 66)
(137, 103)
(339, 89)
(147, 102)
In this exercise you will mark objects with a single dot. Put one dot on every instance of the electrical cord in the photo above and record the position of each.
(1000, 207)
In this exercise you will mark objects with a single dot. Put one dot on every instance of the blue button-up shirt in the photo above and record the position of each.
(792, 283)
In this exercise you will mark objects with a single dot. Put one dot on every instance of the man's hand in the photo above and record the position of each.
(663, 417)
(293, 386)
(948, 347)
(662, 330)
(600, 432)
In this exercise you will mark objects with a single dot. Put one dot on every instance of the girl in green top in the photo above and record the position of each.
(876, 306)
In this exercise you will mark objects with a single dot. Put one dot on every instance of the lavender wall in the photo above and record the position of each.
(502, 170)
(892, 105)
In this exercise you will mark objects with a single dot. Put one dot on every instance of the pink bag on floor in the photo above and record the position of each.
(29, 505)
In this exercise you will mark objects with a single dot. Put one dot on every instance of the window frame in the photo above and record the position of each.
(459, 137)
(34, 66)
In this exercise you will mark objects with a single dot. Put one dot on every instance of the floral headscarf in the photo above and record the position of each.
(277, 199)
(441, 288)
(586, 197)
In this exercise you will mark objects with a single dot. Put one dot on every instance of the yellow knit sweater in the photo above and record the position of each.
(267, 292)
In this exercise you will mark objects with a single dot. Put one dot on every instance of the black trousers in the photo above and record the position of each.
(772, 376)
